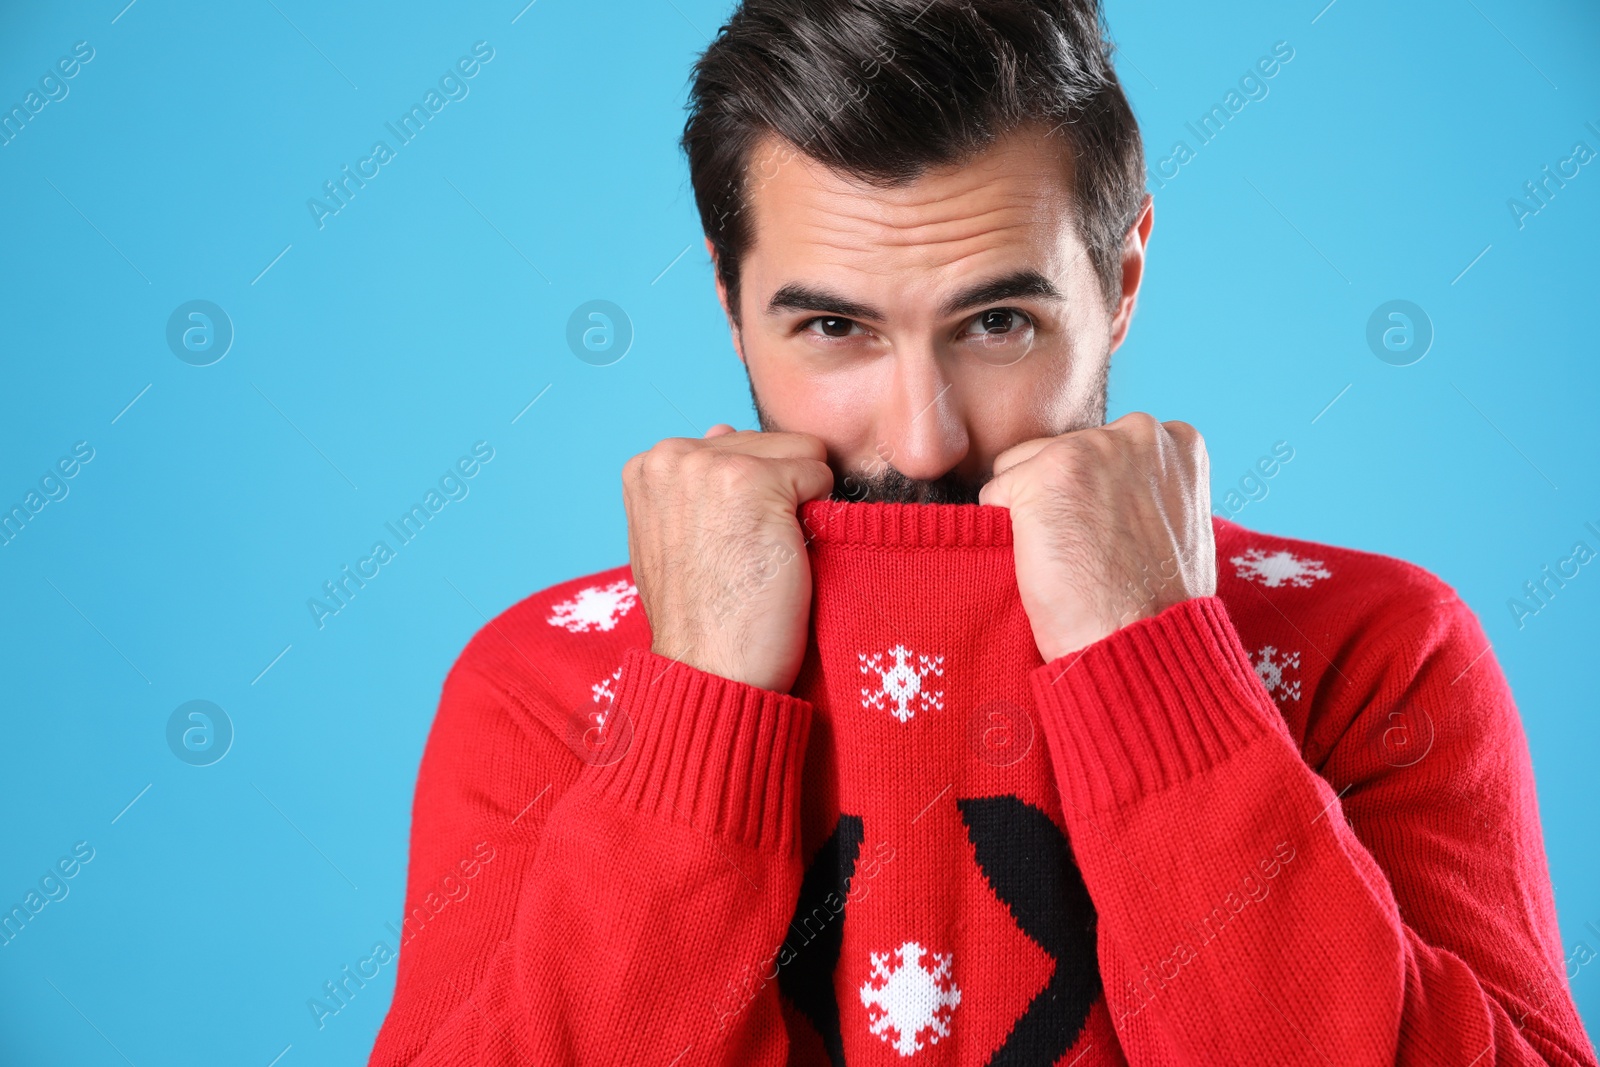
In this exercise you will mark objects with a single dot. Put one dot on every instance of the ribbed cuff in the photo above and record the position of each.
(1153, 704)
(720, 755)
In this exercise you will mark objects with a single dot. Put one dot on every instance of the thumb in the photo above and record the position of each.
(718, 430)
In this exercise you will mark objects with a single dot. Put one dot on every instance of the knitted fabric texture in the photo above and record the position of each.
(1291, 823)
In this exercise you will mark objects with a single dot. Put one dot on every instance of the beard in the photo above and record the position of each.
(891, 486)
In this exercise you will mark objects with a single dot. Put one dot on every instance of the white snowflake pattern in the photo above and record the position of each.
(1271, 671)
(902, 683)
(605, 696)
(909, 999)
(1278, 568)
(597, 607)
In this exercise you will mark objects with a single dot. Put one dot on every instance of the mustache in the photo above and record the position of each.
(891, 486)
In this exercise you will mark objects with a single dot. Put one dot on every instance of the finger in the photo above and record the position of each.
(1139, 441)
(1135, 421)
(773, 445)
(1001, 491)
(1193, 462)
(1181, 431)
(807, 479)
(1190, 445)
(718, 430)
(1019, 453)
(996, 492)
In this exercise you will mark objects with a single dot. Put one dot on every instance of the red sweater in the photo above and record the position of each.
(1291, 823)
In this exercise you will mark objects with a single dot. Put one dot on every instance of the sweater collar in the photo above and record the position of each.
(885, 525)
(836, 522)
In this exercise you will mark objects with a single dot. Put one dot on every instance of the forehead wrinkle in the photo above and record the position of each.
(998, 198)
(1014, 157)
(1017, 184)
(888, 257)
(853, 222)
(877, 251)
(936, 223)
(854, 234)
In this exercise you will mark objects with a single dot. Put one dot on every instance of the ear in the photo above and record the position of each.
(1133, 259)
(722, 298)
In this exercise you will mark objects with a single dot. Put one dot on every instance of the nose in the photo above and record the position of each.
(921, 419)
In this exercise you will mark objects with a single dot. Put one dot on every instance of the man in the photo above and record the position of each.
(939, 719)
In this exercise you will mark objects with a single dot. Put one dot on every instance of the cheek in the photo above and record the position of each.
(1064, 390)
(1065, 376)
(836, 402)
(1005, 407)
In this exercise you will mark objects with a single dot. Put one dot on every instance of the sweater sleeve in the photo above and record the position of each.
(627, 892)
(1252, 912)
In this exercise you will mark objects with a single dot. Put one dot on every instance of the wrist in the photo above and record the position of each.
(733, 668)
(1079, 631)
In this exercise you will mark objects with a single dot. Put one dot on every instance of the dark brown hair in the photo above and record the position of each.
(882, 90)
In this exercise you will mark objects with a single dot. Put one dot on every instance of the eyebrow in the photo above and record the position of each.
(1022, 283)
(796, 296)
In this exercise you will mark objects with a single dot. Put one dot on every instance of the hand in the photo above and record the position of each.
(718, 554)
(1109, 525)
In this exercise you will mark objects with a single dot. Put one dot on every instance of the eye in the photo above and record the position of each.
(830, 326)
(997, 322)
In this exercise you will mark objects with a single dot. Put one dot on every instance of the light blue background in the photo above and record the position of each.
(430, 311)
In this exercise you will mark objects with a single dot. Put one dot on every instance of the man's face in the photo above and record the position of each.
(921, 331)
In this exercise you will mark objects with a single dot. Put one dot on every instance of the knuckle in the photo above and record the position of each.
(1062, 450)
(696, 465)
(729, 472)
(654, 463)
(1181, 431)
(640, 469)
(1091, 445)
(1066, 460)
(1189, 440)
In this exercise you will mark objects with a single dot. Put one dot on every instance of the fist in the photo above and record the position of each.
(1109, 525)
(717, 551)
